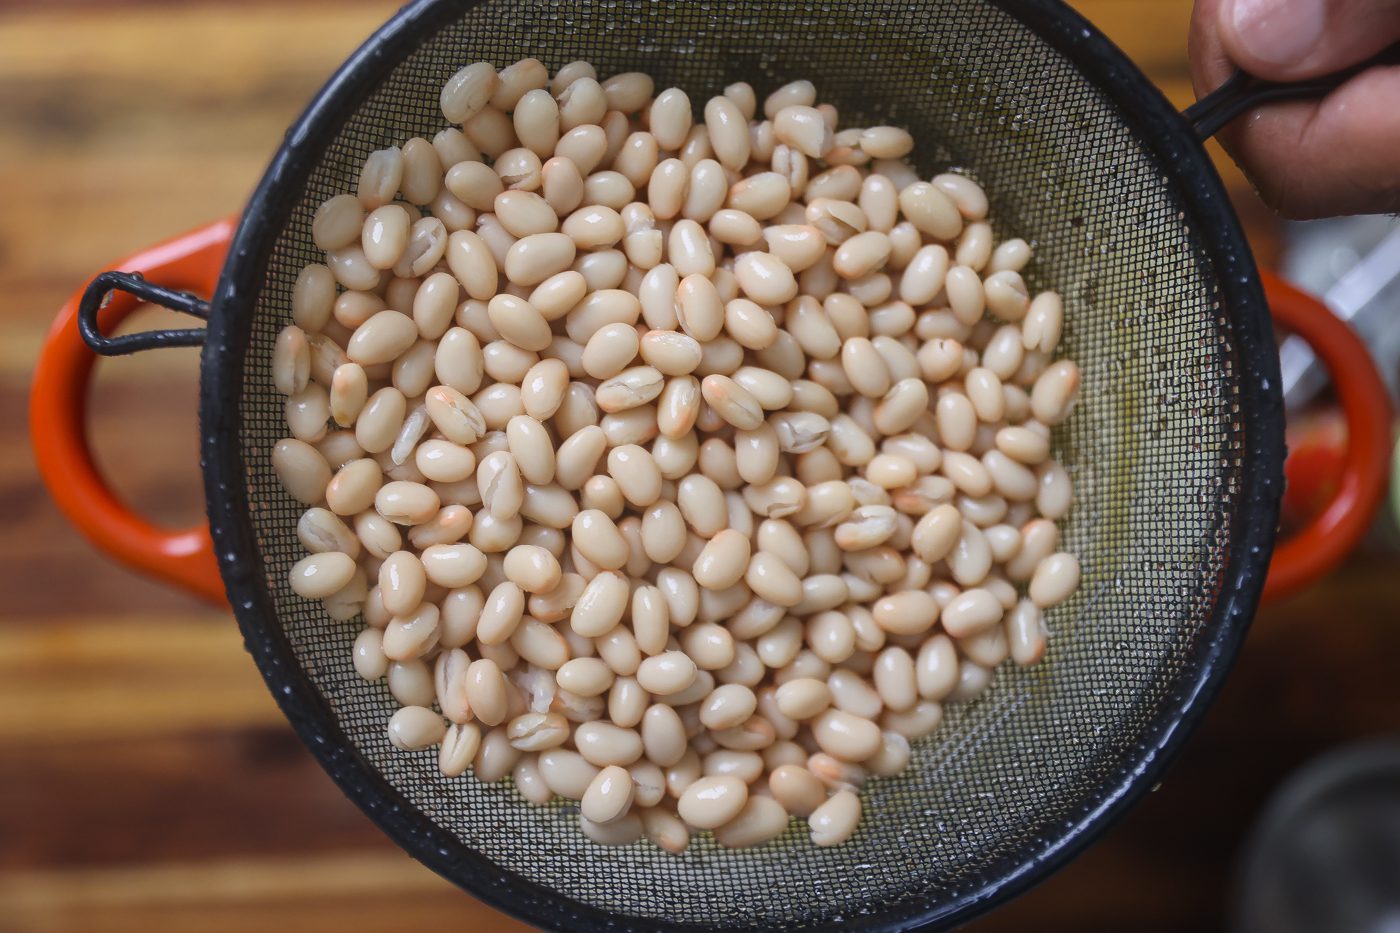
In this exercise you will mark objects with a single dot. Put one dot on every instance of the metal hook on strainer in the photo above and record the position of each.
(1177, 448)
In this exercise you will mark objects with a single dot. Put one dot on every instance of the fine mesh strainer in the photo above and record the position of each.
(1175, 449)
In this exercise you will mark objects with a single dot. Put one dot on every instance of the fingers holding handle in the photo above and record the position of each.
(1316, 82)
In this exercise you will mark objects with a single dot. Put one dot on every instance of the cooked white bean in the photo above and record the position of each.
(600, 606)
(1055, 579)
(532, 568)
(609, 795)
(306, 476)
(533, 259)
(711, 802)
(453, 565)
(723, 560)
(460, 745)
(886, 142)
(603, 744)
(804, 128)
(1055, 494)
(728, 706)
(665, 830)
(536, 732)
(499, 482)
(380, 177)
(895, 679)
(566, 773)
(1044, 322)
(1026, 633)
(412, 728)
(969, 197)
(835, 821)
(866, 527)
(337, 223)
(1053, 395)
(910, 612)
(846, 736)
(728, 131)
(666, 674)
(402, 582)
(530, 781)
(861, 255)
(320, 530)
(765, 278)
(635, 473)
(670, 118)
(471, 262)
(984, 390)
(1007, 297)
(761, 820)
(864, 367)
(971, 612)
(382, 338)
(412, 635)
(496, 757)
(321, 575)
(803, 698)
(469, 90)
(798, 790)
(385, 235)
(792, 94)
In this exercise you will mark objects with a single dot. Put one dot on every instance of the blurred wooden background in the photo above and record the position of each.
(148, 782)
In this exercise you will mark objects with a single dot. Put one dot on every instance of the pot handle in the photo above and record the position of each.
(1324, 542)
(165, 274)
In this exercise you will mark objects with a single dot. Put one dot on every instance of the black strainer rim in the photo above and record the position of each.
(1180, 156)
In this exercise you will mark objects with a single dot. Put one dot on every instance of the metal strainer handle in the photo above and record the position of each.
(1243, 92)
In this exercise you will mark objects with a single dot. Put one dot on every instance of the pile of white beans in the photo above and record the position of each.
(679, 468)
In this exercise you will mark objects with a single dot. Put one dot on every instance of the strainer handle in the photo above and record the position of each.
(166, 274)
(1243, 92)
(1324, 542)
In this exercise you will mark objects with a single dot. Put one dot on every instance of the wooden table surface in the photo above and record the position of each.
(147, 780)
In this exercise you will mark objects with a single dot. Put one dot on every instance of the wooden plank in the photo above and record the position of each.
(198, 795)
(354, 889)
(107, 679)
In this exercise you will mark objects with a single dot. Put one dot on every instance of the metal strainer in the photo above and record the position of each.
(1175, 449)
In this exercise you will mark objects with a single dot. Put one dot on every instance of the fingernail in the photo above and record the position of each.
(1276, 31)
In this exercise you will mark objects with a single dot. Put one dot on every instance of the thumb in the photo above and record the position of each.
(1289, 40)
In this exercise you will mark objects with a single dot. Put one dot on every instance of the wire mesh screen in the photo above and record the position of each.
(1153, 448)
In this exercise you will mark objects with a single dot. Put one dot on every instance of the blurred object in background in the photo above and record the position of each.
(1325, 855)
(1353, 265)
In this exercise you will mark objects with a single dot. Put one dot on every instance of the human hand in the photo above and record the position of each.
(1313, 158)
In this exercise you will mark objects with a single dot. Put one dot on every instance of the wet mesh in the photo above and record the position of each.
(1153, 448)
